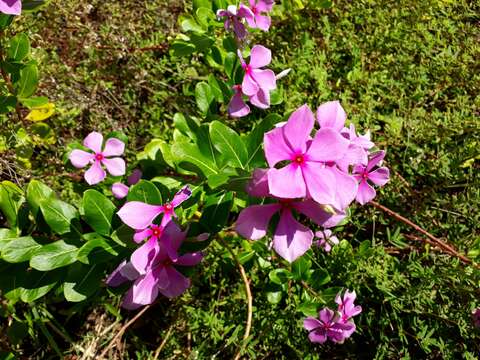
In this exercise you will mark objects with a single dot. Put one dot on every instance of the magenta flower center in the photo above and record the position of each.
(168, 207)
(254, 10)
(99, 157)
(247, 68)
(299, 159)
(156, 232)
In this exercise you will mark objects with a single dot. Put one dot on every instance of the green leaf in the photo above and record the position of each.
(216, 211)
(82, 281)
(28, 82)
(202, 42)
(55, 255)
(215, 87)
(229, 144)
(274, 297)
(19, 47)
(279, 276)
(35, 102)
(7, 103)
(33, 5)
(182, 48)
(11, 199)
(19, 249)
(94, 241)
(99, 211)
(204, 16)
(203, 96)
(145, 191)
(190, 153)
(318, 278)
(36, 193)
(254, 140)
(36, 284)
(188, 24)
(300, 268)
(308, 308)
(59, 215)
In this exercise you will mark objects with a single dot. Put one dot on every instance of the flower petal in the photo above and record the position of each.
(375, 159)
(258, 185)
(287, 182)
(249, 85)
(260, 56)
(252, 223)
(119, 190)
(318, 336)
(327, 145)
(265, 79)
(237, 107)
(80, 158)
(365, 193)
(142, 258)
(331, 115)
(178, 283)
(190, 259)
(276, 148)
(115, 166)
(11, 7)
(261, 99)
(141, 235)
(380, 176)
(263, 22)
(135, 177)
(95, 174)
(139, 215)
(346, 188)
(116, 278)
(311, 323)
(317, 213)
(182, 195)
(113, 147)
(298, 128)
(94, 141)
(354, 155)
(320, 182)
(291, 239)
(143, 292)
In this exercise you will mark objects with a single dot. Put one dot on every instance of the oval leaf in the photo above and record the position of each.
(55, 255)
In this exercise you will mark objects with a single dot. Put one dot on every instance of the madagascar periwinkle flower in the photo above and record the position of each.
(326, 239)
(234, 19)
(328, 326)
(366, 174)
(257, 19)
(98, 157)
(11, 7)
(346, 306)
(139, 215)
(309, 169)
(255, 77)
(159, 275)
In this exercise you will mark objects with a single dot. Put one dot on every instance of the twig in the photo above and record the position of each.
(122, 330)
(441, 244)
(249, 299)
(163, 343)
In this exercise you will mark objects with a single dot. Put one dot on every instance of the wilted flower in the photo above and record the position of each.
(326, 239)
(328, 326)
(234, 19)
(11, 7)
(114, 165)
(364, 174)
(139, 215)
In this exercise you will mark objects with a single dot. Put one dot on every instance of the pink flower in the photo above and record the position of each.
(256, 19)
(234, 19)
(326, 239)
(114, 165)
(346, 307)
(256, 78)
(139, 215)
(328, 326)
(11, 7)
(306, 172)
(363, 174)
(158, 271)
(238, 107)
(476, 317)
(291, 239)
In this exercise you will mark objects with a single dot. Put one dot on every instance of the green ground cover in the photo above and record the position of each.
(407, 70)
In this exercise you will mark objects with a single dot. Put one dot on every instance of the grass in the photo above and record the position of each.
(407, 70)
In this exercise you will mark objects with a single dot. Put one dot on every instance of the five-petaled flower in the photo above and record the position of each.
(257, 79)
(11, 7)
(107, 157)
(328, 326)
(364, 174)
(326, 239)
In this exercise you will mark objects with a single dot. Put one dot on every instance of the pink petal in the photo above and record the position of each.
(182, 195)
(298, 128)
(261, 99)
(237, 107)
(265, 79)
(115, 166)
(331, 115)
(246, 12)
(172, 239)
(142, 258)
(318, 336)
(345, 189)
(191, 259)
(353, 156)
(291, 239)
(249, 85)
(276, 148)
(315, 212)
(95, 174)
(258, 186)
(116, 278)
(263, 22)
(141, 235)
(11, 7)
(139, 215)
(327, 145)
(113, 147)
(380, 176)
(375, 159)
(119, 190)
(252, 223)
(94, 141)
(326, 315)
(134, 177)
(129, 272)
(80, 158)
(320, 182)
(260, 56)
(311, 323)
(365, 193)
(239, 28)
(287, 182)
(264, 5)
(143, 292)
(178, 283)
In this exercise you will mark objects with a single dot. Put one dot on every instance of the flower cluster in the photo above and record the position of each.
(11, 7)
(317, 175)
(152, 267)
(335, 326)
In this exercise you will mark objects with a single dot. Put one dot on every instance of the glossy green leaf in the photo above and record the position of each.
(28, 82)
(59, 215)
(145, 191)
(202, 42)
(54, 255)
(300, 268)
(82, 281)
(19, 249)
(229, 144)
(95, 244)
(99, 211)
(36, 193)
(19, 47)
(216, 211)
(182, 48)
(203, 96)
(190, 153)
(11, 199)
(279, 276)
(318, 278)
